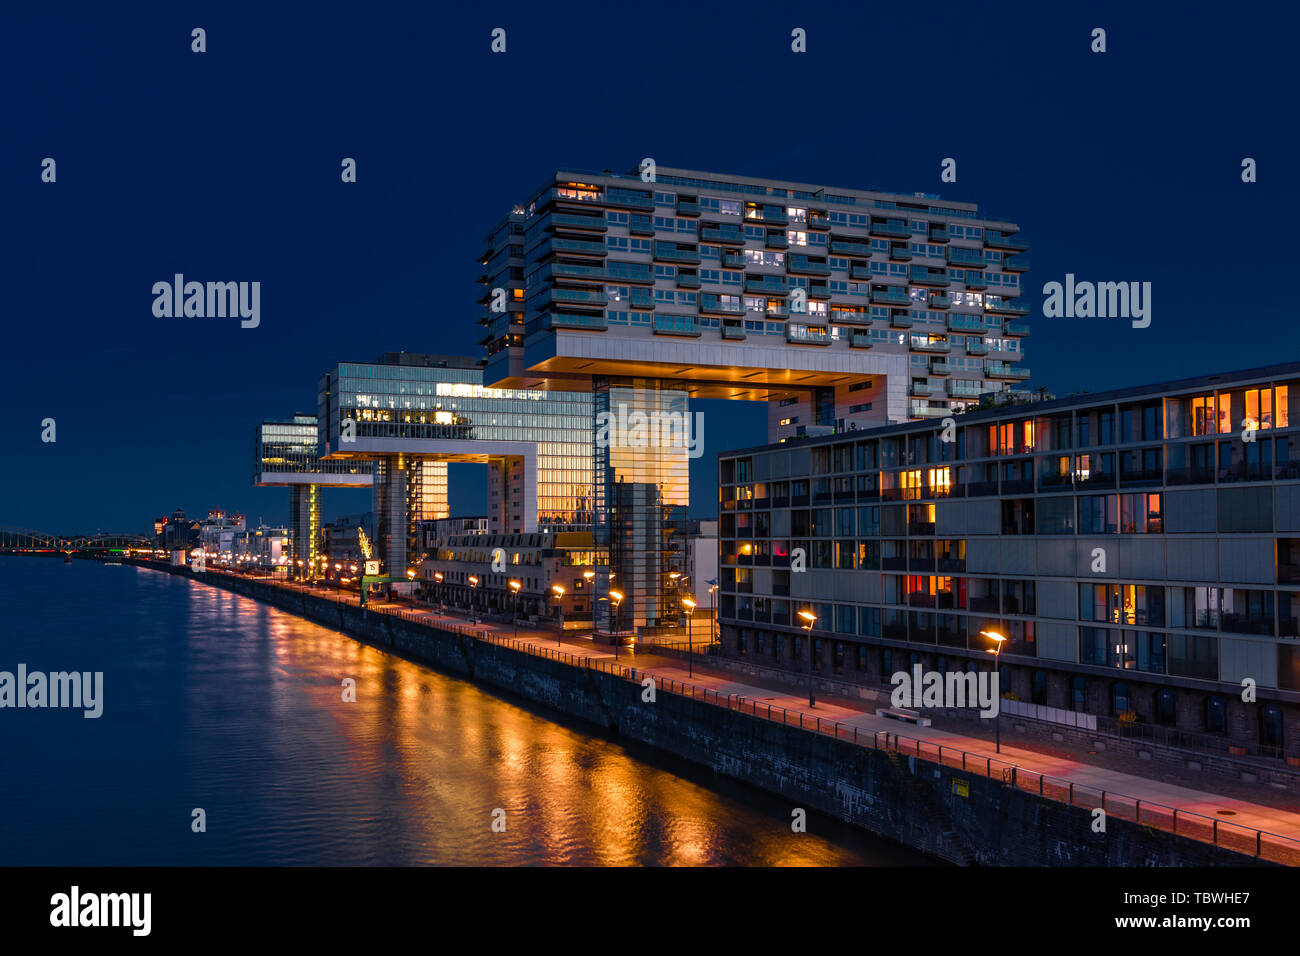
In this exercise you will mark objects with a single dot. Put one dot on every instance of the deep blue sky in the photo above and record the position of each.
(225, 165)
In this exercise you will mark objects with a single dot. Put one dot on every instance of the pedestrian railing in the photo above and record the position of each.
(1273, 847)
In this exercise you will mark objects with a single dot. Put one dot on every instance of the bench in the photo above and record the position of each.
(898, 713)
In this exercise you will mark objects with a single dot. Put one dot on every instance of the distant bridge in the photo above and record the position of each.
(26, 541)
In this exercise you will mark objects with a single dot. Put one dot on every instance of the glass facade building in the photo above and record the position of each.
(1139, 549)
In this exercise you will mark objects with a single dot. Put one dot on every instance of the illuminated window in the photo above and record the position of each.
(940, 480)
(910, 482)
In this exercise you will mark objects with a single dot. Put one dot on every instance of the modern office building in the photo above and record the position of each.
(409, 415)
(1140, 549)
(285, 454)
(840, 308)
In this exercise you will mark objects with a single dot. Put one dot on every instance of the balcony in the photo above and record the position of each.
(890, 297)
(582, 247)
(900, 318)
(961, 390)
(687, 207)
(891, 228)
(859, 271)
(687, 281)
(924, 275)
(859, 339)
(641, 299)
(1016, 264)
(1000, 371)
(733, 332)
(921, 389)
(710, 303)
(1015, 328)
(966, 258)
(819, 290)
(564, 220)
(626, 199)
(641, 226)
(768, 215)
(942, 301)
(671, 252)
(1006, 307)
(570, 320)
(930, 346)
(976, 282)
(804, 265)
(850, 247)
(725, 234)
(938, 233)
(939, 367)
(976, 348)
(961, 322)
(687, 325)
(900, 252)
(802, 335)
(596, 297)
(850, 317)
(732, 260)
(819, 221)
(777, 240)
(993, 239)
(766, 285)
(922, 410)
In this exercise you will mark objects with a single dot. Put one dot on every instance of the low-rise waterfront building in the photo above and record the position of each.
(1139, 549)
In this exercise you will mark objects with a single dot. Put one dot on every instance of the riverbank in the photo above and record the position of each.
(949, 804)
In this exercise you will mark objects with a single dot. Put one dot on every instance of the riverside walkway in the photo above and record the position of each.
(1251, 828)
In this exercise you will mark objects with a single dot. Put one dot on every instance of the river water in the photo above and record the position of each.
(213, 701)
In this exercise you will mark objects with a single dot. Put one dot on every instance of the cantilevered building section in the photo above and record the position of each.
(285, 454)
(411, 414)
(841, 307)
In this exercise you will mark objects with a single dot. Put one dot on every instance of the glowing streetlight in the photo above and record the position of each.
(515, 585)
(996, 651)
(558, 589)
(690, 645)
(811, 618)
(617, 598)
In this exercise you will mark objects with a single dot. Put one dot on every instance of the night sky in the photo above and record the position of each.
(1122, 166)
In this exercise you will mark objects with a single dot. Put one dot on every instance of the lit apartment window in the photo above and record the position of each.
(788, 421)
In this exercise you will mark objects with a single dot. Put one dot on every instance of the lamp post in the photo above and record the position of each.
(617, 598)
(713, 621)
(559, 603)
(515, 585)
(811, 618)
(437, 579)
(996, 651)
(473, 586)
(690, 646)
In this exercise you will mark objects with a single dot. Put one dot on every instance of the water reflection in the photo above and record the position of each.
(241, 705)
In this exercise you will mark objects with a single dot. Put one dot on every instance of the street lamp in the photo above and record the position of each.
(559, 603)
(515, 585)
(473, 586)
(690, 646)
(617, 598)
(811, 618)
(996, 651)
(713, 621)
(437, 577)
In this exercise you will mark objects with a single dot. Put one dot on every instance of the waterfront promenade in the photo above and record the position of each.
(1248, 826)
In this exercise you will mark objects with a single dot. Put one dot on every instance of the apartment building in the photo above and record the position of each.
(1138, 549)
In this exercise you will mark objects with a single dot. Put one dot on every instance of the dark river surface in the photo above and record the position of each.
(214, 701)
